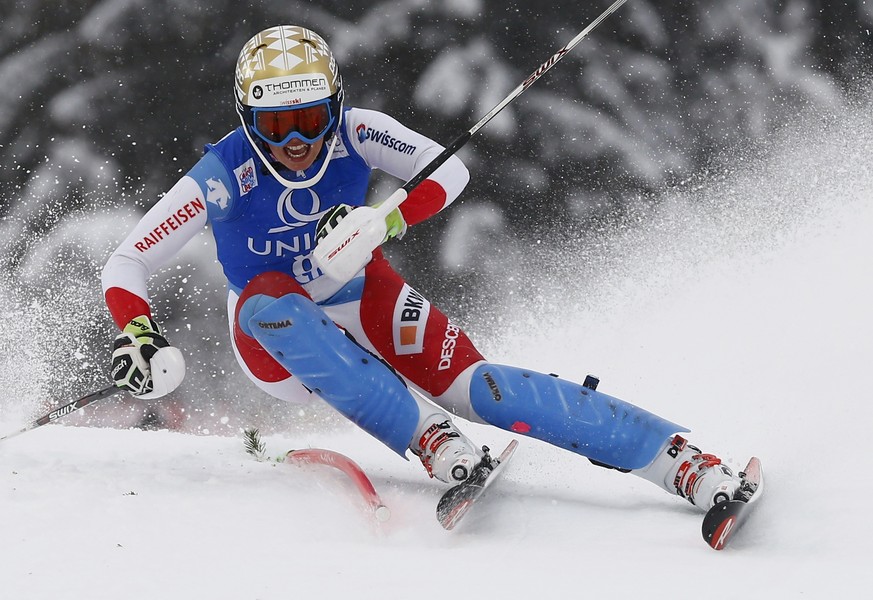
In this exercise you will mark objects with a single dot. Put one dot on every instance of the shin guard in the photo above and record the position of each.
(301, 337)
(604, 429)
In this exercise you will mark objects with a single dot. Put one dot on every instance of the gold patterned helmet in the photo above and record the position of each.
(287, 85)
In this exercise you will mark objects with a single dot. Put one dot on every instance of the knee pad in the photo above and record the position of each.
(301, 337)
(604, 429)
(261, 291)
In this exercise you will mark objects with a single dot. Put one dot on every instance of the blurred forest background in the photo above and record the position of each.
(104, 104)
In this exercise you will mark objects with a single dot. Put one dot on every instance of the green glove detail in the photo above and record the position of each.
(396, 225)
(143, 362)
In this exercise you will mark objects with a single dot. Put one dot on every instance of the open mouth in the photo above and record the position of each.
(296, 151)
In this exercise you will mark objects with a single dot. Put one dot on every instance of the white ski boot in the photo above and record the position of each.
(684, 470)
(444, 451)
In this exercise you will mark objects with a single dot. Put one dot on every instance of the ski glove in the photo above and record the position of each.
(395, 224)
(143, 362)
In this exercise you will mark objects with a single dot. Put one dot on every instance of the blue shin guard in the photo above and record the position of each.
(602, 428)
(300, 336)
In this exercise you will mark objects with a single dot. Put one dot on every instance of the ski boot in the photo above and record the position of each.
(444, 451)
(686, 471)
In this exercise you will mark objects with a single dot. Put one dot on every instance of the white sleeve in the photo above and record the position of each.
(386, 144)
(157, 238)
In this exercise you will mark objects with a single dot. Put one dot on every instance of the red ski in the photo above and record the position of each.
(341, 462)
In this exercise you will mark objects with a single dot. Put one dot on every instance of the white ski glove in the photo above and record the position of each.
(395, 224)
(143, 362)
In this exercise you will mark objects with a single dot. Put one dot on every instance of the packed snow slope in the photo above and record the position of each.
(740, 308)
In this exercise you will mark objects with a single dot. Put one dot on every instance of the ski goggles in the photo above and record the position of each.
(308, 123)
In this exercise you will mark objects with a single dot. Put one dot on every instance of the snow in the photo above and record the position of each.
(741, 309)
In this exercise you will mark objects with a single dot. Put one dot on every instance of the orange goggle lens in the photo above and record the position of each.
(278, 127)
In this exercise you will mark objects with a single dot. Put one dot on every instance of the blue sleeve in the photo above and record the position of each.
(215, 180)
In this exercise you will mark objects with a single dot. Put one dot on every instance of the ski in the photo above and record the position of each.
(341, 462)
(723, 520)
(457, 502)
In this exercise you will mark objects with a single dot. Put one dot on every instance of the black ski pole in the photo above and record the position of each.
(462, 139)
(347, 247)
(109, 390)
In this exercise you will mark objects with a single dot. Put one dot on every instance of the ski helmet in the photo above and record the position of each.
(287, 85)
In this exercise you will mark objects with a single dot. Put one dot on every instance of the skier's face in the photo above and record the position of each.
(297, 155)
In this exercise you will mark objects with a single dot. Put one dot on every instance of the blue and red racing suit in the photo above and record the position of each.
(264, 236)
(259, 226)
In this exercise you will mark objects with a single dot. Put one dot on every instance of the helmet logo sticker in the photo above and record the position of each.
(290, 90)
(298, 216)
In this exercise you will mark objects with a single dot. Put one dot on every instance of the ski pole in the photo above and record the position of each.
(109, 390)
(346, 249)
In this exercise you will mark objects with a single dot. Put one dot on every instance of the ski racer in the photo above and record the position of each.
(373, 348)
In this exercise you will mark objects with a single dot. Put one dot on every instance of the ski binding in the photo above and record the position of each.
(723, 520)
(457, 501)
